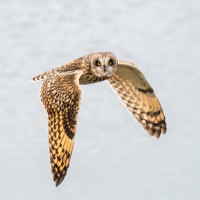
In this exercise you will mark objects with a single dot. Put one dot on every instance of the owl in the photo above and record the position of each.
(61, 94)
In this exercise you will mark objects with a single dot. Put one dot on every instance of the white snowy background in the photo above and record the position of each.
(113, 157)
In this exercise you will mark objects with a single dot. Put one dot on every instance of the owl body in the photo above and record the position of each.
(61, 94)
(84, 64)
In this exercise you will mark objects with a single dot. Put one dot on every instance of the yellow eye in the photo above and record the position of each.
(110, 62)
(98, 63)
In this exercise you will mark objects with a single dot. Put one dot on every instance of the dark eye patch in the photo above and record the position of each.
(98, 63)
(110, 62)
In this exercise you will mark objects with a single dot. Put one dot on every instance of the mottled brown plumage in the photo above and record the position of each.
(61, 94)
(139, 97)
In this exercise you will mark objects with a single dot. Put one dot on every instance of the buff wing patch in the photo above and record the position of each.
(139, 97)
(61, 98)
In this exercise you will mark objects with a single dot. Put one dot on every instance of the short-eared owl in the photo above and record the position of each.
(61, 94)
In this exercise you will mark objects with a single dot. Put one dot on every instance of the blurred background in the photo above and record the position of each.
(113, 157)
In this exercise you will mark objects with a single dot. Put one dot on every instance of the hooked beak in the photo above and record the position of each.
(104, 68)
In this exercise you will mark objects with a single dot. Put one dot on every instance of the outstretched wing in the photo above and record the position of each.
(139, 97)
(61, 95)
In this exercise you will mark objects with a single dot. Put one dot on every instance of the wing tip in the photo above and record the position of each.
(58, 179)
(58, 176)
(156, 129)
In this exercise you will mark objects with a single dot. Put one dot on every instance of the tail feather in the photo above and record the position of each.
(40, 77)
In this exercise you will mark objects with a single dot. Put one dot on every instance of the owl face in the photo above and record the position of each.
(104, 65)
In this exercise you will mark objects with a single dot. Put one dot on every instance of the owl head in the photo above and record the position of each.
(104, 64)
